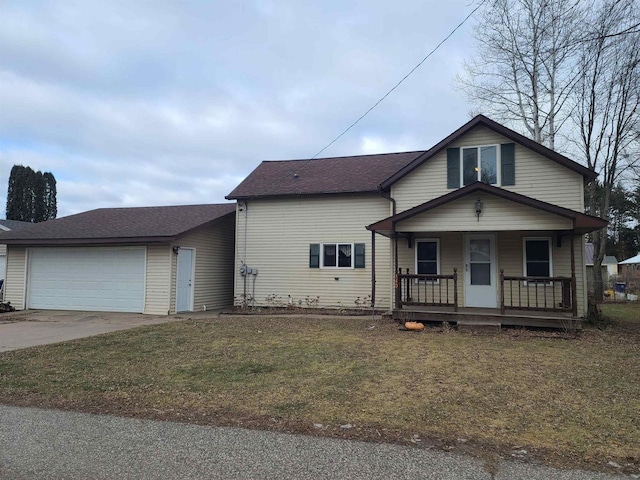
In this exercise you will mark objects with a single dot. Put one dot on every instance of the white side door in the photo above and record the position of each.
(481, 286)
(184, 280)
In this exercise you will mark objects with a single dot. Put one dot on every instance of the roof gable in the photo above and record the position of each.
(368, 173)
(581, 223)
(120, 225)
(481, 120)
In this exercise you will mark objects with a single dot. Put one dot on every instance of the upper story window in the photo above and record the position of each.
(480, 164)
(492, 164)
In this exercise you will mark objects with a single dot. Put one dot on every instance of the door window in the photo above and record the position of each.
(480, 261)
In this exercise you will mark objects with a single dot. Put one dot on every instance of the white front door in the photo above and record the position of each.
(480, 271)
(184, 281)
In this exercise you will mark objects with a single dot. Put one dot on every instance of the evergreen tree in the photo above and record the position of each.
(31, 195)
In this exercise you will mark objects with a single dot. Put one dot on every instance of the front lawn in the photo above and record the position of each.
(567, 401)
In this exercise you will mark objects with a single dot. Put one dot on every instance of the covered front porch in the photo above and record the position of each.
(482, 254)
(522, 301)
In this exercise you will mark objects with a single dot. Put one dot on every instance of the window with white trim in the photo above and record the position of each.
(337, 255)
(428, 256)
(537, 257)
(480, 164)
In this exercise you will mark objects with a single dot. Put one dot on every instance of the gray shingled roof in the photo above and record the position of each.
(362, 173)
(368, 173)
(588, 256)
(14, 224)
(119, 225)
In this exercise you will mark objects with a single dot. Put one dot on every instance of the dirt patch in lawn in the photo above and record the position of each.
(531, 395)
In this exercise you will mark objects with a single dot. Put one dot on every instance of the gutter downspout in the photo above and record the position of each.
(244, 254)
(388, 196)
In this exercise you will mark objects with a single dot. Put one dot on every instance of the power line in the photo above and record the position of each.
(401, 81)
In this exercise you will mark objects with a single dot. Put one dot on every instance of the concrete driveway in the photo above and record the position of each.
(40, 327)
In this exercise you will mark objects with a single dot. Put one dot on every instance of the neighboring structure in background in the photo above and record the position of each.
(156, 260)
(487, 224)
(628, 281)
(630, 266)
(609, 267)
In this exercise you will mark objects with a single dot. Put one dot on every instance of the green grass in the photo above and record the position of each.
(625, 315)
(572, 400)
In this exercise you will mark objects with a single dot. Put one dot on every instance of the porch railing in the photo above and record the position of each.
(426, 290)
(551, 294)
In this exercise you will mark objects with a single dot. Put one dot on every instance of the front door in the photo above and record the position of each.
(184, 281)
(480, 271)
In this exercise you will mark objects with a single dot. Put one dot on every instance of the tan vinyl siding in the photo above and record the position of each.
(157, 280)
(509, 254)
(536, 176)
(213, 255)
(510, 258)
(497, 214)
(15, 285)
(451, 256)
(279, 232)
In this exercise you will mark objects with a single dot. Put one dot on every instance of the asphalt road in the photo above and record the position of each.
(50, 444)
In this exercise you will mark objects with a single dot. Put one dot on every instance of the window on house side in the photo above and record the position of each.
(337, 255)
(537, 257)
(480, 164)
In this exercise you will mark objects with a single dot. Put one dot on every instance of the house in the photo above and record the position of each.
(608, 268)
(156, 260)
(486, 223)
(609, 262)
(7, 226)
(631, 266)
(630, 274)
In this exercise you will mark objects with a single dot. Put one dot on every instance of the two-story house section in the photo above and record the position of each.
(485, 224)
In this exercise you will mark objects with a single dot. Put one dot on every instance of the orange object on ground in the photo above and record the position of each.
(414, 326)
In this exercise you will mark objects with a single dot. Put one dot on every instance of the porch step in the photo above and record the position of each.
(479, 326)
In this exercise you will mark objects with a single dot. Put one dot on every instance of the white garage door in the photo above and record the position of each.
(109, 279)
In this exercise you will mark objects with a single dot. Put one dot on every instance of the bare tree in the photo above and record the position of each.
(524, 71)
(606, 113)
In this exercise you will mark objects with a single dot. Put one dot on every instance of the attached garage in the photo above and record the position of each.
(108, 279)
(153, 260)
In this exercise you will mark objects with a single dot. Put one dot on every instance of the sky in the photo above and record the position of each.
(140, 103)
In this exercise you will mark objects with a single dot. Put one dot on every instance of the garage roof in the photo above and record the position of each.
(119, 225)
(7, 225)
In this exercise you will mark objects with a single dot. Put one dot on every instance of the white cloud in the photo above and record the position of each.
(148, 103)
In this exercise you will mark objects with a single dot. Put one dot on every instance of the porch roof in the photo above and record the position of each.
(582, 223)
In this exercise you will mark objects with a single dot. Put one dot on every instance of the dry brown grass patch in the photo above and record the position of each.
(568, 401)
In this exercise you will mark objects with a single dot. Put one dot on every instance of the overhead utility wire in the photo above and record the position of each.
(400, 82)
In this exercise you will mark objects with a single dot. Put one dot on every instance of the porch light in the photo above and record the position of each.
(478, 208)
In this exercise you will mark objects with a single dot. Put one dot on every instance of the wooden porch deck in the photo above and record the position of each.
(488, 316)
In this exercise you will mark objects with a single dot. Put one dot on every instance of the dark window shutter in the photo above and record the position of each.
(359, 258)
(314, 255)
(453, 167)
(508, 160)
